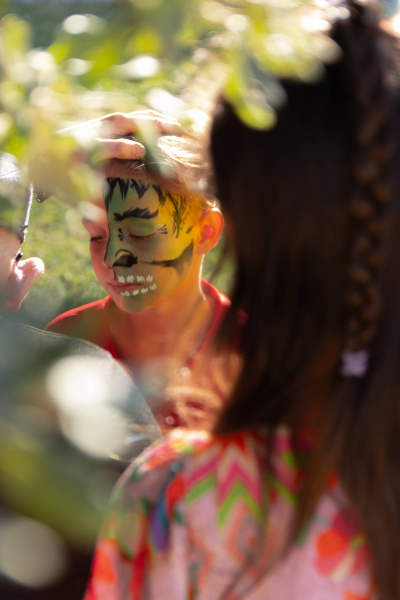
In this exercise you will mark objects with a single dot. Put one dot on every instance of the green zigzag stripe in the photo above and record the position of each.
(278, 485)
(201, 488)
(290, 459)
(238, 492)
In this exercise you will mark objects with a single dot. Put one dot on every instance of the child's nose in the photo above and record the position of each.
(109, 256)
(124, 258)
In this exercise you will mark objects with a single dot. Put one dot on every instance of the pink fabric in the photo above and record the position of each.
(203, 517)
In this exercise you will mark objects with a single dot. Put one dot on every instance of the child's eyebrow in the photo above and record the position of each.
(135, 213)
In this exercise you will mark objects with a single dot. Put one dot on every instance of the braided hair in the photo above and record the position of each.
(316, 221)
(366, 69)
(373, 428)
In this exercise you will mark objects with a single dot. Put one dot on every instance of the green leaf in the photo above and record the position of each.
(16, 36)
(256, 115)
(61, 49)
(146, 41)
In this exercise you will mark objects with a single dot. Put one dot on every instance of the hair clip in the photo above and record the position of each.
(354, 364)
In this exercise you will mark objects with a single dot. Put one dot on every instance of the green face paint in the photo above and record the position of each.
(150, 244)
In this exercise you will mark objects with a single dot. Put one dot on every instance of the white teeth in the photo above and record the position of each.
(121, 279)
(152, 287)
(149, 278)
(144, 290)
(130, 279)
(126, 293)
(139, 278)
(135, 292)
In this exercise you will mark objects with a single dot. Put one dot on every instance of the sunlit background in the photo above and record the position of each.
(62, 63)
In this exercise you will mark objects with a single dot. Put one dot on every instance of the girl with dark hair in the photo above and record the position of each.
(295, 494)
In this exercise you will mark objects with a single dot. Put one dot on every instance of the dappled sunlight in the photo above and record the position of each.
(87, 401)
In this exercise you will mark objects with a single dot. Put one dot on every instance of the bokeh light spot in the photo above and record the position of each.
(164, 102)
(87, 397)
(77, 66)
(237, 23)
(76, 24)
(139, 67)
(31, 553)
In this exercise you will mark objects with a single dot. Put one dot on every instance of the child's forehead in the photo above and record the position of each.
(135, 190)
(143, 193)
(136, 193)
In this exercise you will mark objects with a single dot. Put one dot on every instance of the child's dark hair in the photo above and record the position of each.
(314, 209)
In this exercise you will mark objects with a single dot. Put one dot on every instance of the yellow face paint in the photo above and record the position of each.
(150, 243)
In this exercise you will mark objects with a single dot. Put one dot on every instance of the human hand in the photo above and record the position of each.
(111, 133)
(22, 276)
(98, 141)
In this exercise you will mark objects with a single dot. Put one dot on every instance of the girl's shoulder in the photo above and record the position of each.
(202, 460)
(206, 504)
(160, 456)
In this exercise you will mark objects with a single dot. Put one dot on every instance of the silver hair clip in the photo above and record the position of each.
(354, 364)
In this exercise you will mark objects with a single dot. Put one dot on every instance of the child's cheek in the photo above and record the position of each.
(149, 250)
(168, 249)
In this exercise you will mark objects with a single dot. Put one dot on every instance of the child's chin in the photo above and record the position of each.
(133, 304)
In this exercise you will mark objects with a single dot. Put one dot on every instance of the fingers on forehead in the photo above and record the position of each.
(122, 149)
(125, 123)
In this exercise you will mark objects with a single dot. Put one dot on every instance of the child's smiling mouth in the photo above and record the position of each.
(131, 284)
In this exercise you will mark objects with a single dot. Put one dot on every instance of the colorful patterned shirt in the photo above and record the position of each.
(201, 517)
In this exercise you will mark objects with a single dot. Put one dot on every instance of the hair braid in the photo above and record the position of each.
(366, 66)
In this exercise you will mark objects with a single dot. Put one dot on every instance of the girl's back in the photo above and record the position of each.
(209, 517)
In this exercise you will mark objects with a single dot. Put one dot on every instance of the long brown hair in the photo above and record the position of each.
(314, 212)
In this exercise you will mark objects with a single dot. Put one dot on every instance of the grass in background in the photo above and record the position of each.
(58, 237)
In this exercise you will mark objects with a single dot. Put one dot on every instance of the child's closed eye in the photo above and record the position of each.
(97, 231)
(141, 238)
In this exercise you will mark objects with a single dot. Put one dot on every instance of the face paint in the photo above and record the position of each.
(178, 213)
(176, 263)
(140, 213)
(125, 258)
(139, 187)
(150, 242)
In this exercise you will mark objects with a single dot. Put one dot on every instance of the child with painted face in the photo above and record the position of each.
(147, 247)
(150, 248)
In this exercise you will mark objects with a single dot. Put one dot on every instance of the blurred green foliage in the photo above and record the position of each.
(45, 17)
(62, 63)
(44, 478)
(55, 232)
(97, 64)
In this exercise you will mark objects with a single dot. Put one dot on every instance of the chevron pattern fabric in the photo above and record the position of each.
(208, 518)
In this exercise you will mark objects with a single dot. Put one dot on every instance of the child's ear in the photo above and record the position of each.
(209, 228)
